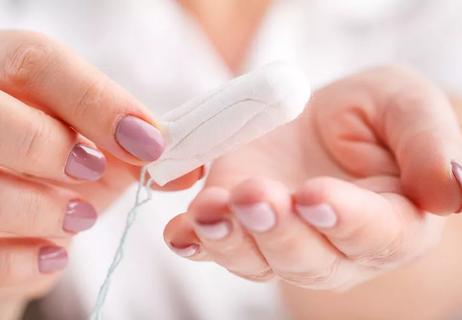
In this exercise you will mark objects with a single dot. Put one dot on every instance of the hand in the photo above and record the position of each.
(340, 195)
(71, 140)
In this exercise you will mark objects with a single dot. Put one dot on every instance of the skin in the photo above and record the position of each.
(395, 192)
(385, 138)
(36, 142)
(215, 19)
(382, 162)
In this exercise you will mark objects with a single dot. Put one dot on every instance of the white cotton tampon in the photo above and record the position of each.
(236, 113)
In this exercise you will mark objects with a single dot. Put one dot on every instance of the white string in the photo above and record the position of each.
(119, 253)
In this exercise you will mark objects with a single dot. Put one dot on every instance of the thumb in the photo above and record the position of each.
(415, 133)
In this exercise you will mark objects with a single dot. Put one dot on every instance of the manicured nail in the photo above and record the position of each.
(258, 217)
(139, 138)
(215, 230)
(319, 215)
(457, 171)
(80, 215)
(187, 251)
(52, 259)
(85, 163)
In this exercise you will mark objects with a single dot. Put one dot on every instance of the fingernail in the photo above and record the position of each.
(52, 259)
(319, 215)
(457, 171)
(80, 215)
(187, 251)
(139, 138)
(258, 217)
(85, 163)
(213, 231)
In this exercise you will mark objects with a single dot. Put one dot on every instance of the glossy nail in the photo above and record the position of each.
(139, 138)
(51, 259)
(257, 217)
(319, 215)
(80, 215)
(213, 230)
(185, 251)
(85, 163)
(457, 171)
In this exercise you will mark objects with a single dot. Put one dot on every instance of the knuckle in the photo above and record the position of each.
(32, 206)
(90, 98)
(317, 189)
(317, 278)
(25, 213)
(403, 101)
(28, 59)
(26, 217)
(414, 92)
(6, 270)
(34, 137)
(388, 256)
(254, 184)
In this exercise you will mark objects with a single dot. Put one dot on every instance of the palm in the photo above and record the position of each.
(290, 154)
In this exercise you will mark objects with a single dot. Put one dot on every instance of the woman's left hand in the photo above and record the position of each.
(340, 195)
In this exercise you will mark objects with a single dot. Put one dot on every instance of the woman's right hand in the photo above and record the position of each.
(71, 141)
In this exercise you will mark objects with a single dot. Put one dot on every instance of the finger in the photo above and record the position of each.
(422, 129)
(32, 209)
(374, 230)
(223, 238)
(181, 239)
(395, 109)
(295, 252)
(24, 260)
(39, 145)
(43, 72)
(184, 182)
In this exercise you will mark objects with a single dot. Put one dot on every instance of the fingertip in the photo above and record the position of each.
(52, 259)
(317, 190)
(184, 182)
(434, 185)
(139, 138)
(332, 204)
(261, 204)
(85, 163)
(179, 231)
(456, 170)
(210, 205)
(259, 189)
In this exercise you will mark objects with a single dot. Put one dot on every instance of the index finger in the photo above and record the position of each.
(37, 69)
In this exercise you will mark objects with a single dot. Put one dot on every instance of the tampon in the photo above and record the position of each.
(236, 113)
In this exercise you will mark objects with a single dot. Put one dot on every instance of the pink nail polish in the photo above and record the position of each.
(186, 251)
(139, 138)
(257, 217)
(80, 215)
(85, 163)
(51, 259)
(457, 171)
(319, 215)
(213, 231)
